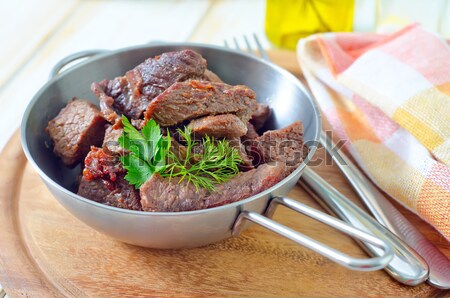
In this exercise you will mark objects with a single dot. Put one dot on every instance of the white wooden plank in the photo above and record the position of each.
(24, 26)
(227, 19)
(96, 24)
(444, 21)
(116, 24)
(393, 15)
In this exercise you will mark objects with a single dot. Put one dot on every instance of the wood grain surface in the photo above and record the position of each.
(46, 252)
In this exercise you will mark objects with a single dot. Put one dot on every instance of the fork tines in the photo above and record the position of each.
(249, 48)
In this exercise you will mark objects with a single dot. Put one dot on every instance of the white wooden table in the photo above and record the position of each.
(36, 34)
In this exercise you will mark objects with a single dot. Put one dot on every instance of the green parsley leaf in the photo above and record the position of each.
(148, 151)
(137, 171)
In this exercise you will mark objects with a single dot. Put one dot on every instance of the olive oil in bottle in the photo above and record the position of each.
(289, 20)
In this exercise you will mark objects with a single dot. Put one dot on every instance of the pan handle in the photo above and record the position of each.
(71, 58)
(367, 264)
(80, 55)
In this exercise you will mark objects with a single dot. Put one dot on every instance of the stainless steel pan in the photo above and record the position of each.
(289, 101)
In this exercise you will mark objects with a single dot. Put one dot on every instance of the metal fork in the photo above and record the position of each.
(407, 266)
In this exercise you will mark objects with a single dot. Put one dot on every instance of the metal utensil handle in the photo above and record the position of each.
(406, 266)
(73, 57)
(361, 185)
(369, 264)
(319, 199)
(391, 218)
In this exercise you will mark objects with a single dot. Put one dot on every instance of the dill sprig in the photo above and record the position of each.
(216, 163)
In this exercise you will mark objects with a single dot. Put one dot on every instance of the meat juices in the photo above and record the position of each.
(193, 99)
(77, 127)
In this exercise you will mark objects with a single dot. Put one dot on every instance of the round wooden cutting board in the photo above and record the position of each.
(45, 251)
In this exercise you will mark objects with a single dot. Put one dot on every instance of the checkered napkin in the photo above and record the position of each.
(389, 97)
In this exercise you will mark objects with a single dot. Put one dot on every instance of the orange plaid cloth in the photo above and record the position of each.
(389, 96)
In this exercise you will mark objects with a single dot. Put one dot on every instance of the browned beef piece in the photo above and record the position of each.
(118, 194)
(178, 149)
(260, 115)
(123, 196)
(192, 99)
(251, 132)
(77, 126)
(247, 162)
(224, 125)
(197, 150)
(246, 142)
(131, 94)
(138, 123)
(160, 194)
(103, 181)
(246, 184)
(111, 141)
(99, 164)
(108, 92)
(210, 76)
(95, 189)
(282, 146)
(281, 151)
(164, 195)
